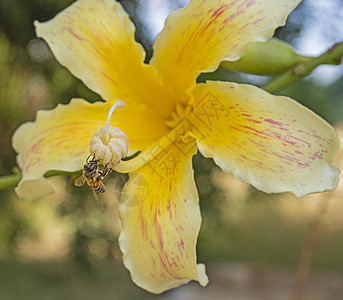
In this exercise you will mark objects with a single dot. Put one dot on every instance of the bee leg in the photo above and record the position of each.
(105, 171)
(96, 197)
(88, 158)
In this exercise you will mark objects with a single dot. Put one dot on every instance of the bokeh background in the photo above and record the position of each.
(64, 246)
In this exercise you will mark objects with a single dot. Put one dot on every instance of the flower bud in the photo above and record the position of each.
(269, 58)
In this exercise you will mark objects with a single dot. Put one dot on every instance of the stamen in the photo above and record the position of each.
(119, 104)
(109, 144)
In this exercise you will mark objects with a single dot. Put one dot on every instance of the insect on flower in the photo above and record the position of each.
(93, 176)
(108, 145)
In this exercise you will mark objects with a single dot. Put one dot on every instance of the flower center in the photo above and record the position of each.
(177, 115)
(179, 131)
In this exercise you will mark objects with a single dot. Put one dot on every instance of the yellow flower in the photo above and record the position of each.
(272, 142)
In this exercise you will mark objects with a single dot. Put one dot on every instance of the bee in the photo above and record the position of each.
(93, 176)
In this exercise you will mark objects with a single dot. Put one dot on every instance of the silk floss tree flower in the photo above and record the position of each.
(271, 142)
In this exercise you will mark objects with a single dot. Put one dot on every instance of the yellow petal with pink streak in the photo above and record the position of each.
(271, 142)
(59, 138)
(198, 37)
(94, 39)
(161, 218)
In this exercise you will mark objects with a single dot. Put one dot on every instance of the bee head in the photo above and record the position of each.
(91, 166)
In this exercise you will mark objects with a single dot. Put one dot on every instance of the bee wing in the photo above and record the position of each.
(96, 197)
(80, 180)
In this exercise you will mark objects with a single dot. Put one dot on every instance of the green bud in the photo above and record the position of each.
(270, 58)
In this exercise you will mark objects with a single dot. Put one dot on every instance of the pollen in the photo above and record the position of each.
(109, 144)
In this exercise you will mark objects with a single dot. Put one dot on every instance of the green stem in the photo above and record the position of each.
(302, 69)
(11, 181)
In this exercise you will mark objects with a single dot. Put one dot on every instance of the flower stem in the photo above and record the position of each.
(10, 181)
(302, 69)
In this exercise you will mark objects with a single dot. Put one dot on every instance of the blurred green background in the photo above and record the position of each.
(65, 246)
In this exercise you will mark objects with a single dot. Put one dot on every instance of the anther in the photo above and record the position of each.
(108, 143)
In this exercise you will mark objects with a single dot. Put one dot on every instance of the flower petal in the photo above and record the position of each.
(198, 37)
(59, 138)
(33, 189)
(161, 220)
(94, 39)
(272, 142)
